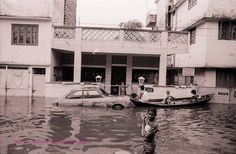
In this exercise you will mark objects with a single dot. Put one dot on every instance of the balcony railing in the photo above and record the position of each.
(106, 34)
(174, 40)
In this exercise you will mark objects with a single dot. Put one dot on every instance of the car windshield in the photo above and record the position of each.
(104, 92)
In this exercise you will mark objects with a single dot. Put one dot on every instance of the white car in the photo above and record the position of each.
(94, 97)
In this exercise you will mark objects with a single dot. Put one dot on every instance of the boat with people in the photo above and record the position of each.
(177, 102)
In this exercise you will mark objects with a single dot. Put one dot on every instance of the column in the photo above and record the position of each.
(49, 73)
(108, 73)
(163, 59)
(129, 67)
(162, 69)
(77, 55)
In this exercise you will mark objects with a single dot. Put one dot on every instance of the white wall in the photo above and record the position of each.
(196, 55)
(161, 14)
(220, 53)
(221, 8)
(33, 8)
(36, 55)
(185, 17)
(58, 12)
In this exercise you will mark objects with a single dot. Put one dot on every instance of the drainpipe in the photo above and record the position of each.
(30, 81)
(6, 88)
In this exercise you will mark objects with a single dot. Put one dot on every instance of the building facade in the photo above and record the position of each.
(211, 58)
(43, 53)
(25, 43)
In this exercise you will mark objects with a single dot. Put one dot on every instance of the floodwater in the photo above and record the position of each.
(39, 128)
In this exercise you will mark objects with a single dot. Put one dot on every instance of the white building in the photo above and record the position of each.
(43, 53)
(26, 40)
(211, 58)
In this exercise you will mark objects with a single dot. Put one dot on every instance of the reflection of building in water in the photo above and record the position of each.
(60, 124)
(101, 128)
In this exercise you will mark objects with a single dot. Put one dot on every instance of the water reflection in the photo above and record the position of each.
(34, 126)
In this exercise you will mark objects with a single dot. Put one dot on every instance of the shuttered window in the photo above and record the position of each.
(226, 78)
(24, 34)
(227, 30)
(193, 36)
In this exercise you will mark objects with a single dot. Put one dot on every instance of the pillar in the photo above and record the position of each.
(108, 73)
(129, 67)
(163, 59)
(77, 66)
(162, 69)
(77, 55)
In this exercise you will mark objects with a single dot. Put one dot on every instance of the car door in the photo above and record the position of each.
(93, 98)
(74, 98)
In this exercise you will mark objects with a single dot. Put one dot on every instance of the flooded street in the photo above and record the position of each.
(41, 128)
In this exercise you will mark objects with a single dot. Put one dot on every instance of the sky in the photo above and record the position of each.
(109, 13)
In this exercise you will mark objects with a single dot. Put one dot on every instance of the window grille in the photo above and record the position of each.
(227, 30)
(193, 36)
(191, 3)
(24, 34)
(17, 67)
(39, 71)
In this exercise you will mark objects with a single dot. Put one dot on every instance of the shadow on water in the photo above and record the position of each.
(35, 126)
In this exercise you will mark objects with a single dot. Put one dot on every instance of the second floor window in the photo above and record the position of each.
(193, 36)
(23, 34)
(191, 3)
(227, 30)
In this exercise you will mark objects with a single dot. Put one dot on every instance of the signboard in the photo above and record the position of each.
(188, 71)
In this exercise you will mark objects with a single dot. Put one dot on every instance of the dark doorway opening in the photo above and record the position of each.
(117, 77)
(67, 73)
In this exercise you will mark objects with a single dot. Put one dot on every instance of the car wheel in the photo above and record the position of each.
(117, 107)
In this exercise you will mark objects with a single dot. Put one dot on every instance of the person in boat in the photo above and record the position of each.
(169, 99)
(122, 89)
(149, 131)
(195, 96)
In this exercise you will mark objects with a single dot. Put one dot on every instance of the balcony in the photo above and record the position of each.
(122, 41)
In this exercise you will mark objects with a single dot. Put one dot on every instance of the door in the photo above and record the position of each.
(38, 82)
(117, 77)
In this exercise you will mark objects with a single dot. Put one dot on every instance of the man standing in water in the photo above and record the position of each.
(149, 130)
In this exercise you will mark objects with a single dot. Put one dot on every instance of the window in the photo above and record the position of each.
(39, 70)
(92, 94)
(193, 36)
(226, 78)
(75, 95)
(191, 3)
(227, 30)
(151, 76)
(24, 34)
(88, 74)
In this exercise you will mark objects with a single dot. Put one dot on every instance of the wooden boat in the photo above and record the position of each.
(179, 102)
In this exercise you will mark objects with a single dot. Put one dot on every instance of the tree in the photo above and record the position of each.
(131, 24)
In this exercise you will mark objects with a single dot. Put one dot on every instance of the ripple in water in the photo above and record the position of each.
(38, 127)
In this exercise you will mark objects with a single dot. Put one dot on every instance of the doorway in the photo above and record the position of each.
(118, 76)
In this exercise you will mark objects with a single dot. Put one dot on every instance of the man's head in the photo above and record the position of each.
(193, 92)
(167, 92)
